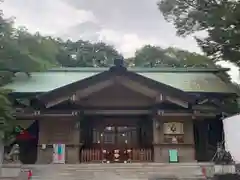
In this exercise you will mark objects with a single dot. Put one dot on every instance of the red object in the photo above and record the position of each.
(29, 174)
(204, 172)
(24, 135)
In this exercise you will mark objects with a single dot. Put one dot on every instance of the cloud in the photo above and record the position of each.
(135, 22)
(139, 17)
(125, 43)
(128, 25)
(45, 16)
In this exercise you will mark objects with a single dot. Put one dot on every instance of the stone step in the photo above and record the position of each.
(116, 171)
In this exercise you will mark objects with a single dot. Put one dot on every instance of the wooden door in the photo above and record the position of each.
(117, 142)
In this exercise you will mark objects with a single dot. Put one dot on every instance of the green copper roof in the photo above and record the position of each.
(189, 80)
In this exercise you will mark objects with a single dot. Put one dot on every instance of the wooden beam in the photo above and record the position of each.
(29, 113)
(204, 107)
(94, 88)
(57, 101)
(177, 101)
(76, 113)
(137, 87)
(117, 112)
(189, 114)
(203, 101)
(81, 93)
(49, 113)
(184, 113)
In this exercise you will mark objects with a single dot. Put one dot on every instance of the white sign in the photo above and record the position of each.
(59, 153)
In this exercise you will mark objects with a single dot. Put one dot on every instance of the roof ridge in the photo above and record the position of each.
(139, 69)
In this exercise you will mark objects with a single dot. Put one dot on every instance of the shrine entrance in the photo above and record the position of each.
(117, 139)
(117, 143)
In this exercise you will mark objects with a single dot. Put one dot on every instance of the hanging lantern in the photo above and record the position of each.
(157, 124)
(79, 118)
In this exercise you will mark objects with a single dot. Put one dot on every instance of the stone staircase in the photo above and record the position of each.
(135, 171)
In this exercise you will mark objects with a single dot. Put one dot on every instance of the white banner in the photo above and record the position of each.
(231, 127)
(59, 153)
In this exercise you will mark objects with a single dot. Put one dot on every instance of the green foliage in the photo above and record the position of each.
(7, 119)
(218, 18)
(27, 52)
(86, 54)
(6, 112)
(152, 56)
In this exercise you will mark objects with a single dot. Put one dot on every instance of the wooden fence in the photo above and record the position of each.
(134, 155)
(91, 155)
(142, 155)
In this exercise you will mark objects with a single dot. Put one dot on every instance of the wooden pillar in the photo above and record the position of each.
(203, 139)
(60, 130)
(44, 155)
(156, 140)
(73, 151)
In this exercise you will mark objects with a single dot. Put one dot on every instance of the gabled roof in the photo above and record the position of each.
(70, 89)
(185, 79)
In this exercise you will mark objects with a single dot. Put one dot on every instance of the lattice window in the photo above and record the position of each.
(96, 136)
(127, 135)
(109, 135)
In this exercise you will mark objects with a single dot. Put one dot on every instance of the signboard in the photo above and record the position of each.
(173, 155)
(173, 128)
(59, 153)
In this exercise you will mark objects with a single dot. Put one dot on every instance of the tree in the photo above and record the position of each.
(189, 59)
(7, 120)
(6, 111)
(153, 56)
(218, 18)
(86, 54)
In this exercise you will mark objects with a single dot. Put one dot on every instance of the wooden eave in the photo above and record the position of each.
(66, 92)
(33, 114)
(206, 102)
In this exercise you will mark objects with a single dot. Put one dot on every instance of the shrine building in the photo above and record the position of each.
(122, 114)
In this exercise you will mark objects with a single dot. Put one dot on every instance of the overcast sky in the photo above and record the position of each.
(126, 24)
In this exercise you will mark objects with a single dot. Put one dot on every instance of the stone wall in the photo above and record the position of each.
(186, 150)
(53, 131)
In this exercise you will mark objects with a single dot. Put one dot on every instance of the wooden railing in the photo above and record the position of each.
(91, 155)
(97, 155)
(142, 155)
